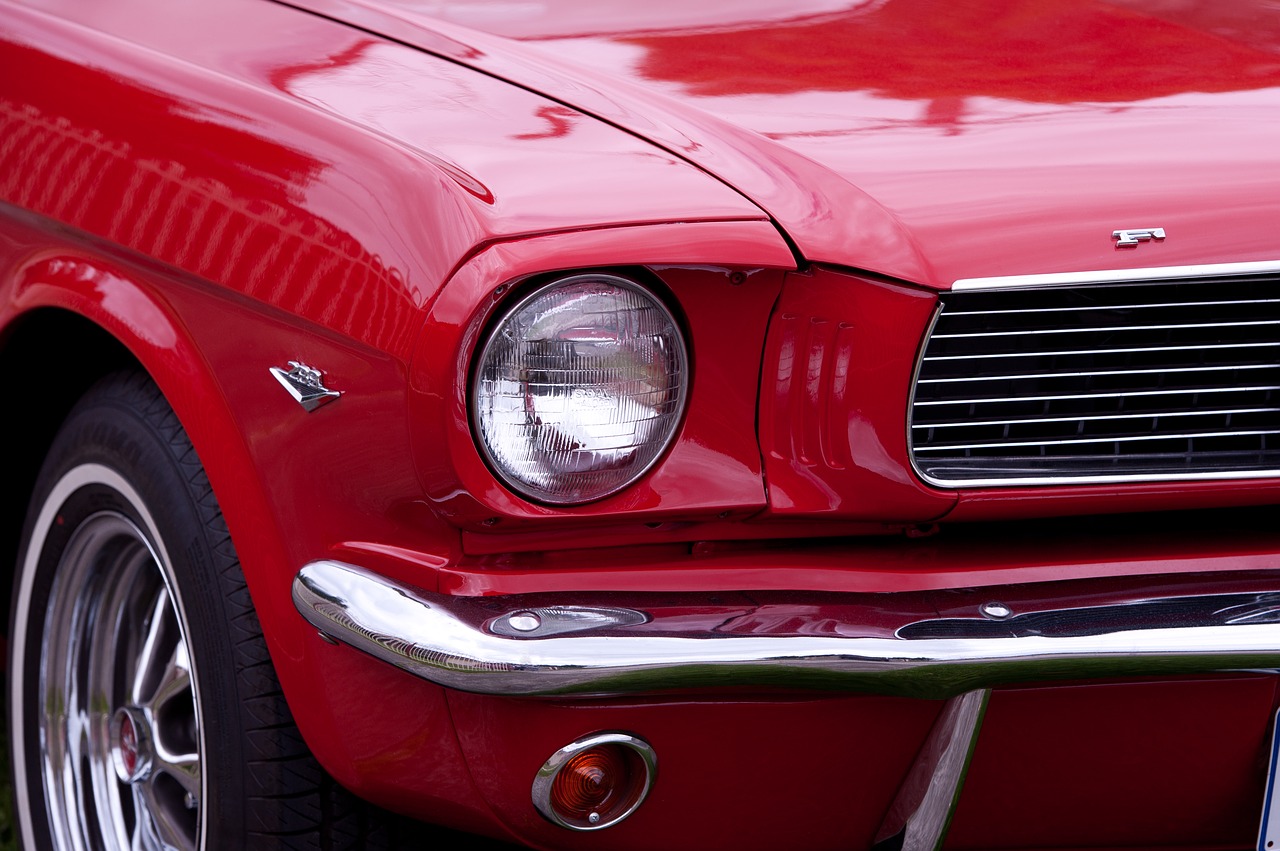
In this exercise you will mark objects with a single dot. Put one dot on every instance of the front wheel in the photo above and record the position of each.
(120, 733)
(144, 712)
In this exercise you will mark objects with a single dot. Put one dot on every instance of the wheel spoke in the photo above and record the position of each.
(153, 653)
(155, 829)
(182, 767)
(144, 836)
(164, 818)
(175, 681)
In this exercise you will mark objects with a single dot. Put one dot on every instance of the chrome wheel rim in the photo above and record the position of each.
(119, 721)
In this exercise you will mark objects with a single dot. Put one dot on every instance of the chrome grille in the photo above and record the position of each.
(1137, 379)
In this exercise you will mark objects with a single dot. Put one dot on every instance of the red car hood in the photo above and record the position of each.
(925, 140)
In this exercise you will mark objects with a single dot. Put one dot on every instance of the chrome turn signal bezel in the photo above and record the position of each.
(544, 781)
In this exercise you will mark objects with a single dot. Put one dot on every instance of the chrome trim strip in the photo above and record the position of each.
(1112, 276)
(1084, 441)
(921, 812)
(1163, 415)
(1122, 394)
(1069, 352)
(915, 386)
(1269, 825)
(1067, 480)
(1030, 311)
(443, 639)
(1096, 329)
(1024, 376)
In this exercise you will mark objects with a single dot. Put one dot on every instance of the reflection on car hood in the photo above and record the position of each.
(992, 137)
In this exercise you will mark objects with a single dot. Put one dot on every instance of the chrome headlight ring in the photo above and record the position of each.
(579, 388)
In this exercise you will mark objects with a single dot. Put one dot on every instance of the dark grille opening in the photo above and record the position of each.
(1134, 380)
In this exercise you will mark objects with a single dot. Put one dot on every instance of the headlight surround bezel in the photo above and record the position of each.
(667, 425)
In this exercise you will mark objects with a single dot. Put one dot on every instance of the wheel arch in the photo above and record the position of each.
(78, 319)
(69, 316)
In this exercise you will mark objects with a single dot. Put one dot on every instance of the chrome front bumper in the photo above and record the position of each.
(922, 644)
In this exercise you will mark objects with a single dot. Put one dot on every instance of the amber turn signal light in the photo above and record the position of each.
(596, 781)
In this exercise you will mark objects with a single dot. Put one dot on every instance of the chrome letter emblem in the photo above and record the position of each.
(304, 385)
(1133, 236)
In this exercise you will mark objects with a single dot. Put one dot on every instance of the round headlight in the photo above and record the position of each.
(579, 389)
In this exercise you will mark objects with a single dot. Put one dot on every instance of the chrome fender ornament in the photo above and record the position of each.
(304, 385)
(1132, 236)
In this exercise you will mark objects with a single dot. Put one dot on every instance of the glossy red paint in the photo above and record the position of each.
(923, 151)
(178, 175)
(1143, 741)
(1069, 757)
(713, 470)
(330, 153)
(222, 188)
(1013, 503)
(832, 395)
(959, 556)
(768, 770)
(390, 737)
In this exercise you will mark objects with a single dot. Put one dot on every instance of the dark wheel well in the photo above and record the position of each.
(48, 359)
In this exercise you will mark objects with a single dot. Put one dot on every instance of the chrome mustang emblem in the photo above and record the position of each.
(304, 385)
(1133, 236)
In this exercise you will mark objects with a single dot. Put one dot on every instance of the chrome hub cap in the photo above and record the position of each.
(130, 745)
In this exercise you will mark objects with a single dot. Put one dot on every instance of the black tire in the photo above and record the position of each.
(131, 615)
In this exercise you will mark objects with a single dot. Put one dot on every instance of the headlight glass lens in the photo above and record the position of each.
(579, 389)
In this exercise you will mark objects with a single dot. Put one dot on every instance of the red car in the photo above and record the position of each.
(807, 424)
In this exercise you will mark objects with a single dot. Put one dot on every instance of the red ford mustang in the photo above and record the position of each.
(802, 424)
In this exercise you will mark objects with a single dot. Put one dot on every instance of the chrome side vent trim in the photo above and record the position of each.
(1165, 378)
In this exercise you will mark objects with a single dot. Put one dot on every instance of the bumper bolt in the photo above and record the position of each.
(524, 621)
(995, 611)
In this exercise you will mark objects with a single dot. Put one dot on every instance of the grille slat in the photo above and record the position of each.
(1012, 399)
(1182, 327)
(1099, 373)
(943, 447)
(1145, 379)
(1185, 305)
(1083, 352)
(1099, 418)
